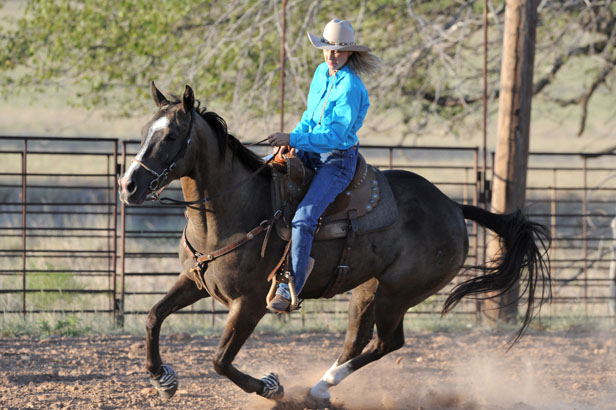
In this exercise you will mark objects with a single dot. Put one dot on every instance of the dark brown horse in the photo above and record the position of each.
(392, 270)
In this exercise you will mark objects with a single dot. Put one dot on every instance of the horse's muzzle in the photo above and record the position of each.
(128, 189)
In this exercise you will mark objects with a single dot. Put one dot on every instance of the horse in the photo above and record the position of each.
(226, 190)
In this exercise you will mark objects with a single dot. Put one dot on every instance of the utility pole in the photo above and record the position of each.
(282, 61)
(511, 160)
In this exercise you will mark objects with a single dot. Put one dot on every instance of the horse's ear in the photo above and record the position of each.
(188, 100)
(159, 98)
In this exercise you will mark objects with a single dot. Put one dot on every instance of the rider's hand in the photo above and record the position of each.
(278, 139)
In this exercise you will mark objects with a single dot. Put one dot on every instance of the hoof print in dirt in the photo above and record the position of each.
(166, 383)
(319, 404)
(300, 405)
(302, 402)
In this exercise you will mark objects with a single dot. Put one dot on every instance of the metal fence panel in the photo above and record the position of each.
(58, 223)
(70, 246)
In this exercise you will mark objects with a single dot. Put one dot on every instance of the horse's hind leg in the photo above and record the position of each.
(387, 313)
(358, 334)
(183, 293)
(361, 321)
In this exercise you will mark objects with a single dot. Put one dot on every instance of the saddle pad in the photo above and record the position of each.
(373, 202)
(381, 217)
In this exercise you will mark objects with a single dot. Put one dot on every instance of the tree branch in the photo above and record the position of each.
(559, 62)
(448, 100)
(593, 48)
(584, 100)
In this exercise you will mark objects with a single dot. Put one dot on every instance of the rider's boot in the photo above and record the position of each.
(281, 303)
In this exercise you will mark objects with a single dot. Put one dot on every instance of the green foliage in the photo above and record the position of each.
(106, 46)
(230, 52)
(98, 44)
(65, 326)
(46, 325)
(50, 290)
(107, 51)
(50, 296)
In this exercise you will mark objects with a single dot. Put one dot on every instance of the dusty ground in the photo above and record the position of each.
(573, 370)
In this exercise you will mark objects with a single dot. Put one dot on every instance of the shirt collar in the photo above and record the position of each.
(343, 72)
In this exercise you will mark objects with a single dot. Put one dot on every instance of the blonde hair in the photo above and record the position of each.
(364, 62)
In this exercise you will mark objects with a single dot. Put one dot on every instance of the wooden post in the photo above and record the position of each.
(511, 161)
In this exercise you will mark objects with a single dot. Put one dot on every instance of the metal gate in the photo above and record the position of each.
(69, 246)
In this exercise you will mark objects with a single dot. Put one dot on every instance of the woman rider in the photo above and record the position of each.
(325, 139)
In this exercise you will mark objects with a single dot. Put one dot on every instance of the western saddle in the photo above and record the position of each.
(366, 205)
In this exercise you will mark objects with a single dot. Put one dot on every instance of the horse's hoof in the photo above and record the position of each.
(319, 392)
(272, 389)
(312, 402)
(166, 383)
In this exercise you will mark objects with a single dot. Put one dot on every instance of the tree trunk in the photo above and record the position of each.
(511, 159)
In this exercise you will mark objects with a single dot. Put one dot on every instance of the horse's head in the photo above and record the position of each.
(164, 145)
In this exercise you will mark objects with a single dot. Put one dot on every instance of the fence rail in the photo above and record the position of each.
(68, 244)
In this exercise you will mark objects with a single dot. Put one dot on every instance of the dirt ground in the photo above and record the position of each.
(462, 370)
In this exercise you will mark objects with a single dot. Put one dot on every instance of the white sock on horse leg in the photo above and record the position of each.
(332, 377)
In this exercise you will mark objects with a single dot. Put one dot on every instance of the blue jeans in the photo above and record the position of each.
(334, 172)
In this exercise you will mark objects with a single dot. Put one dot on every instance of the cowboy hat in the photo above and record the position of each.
(337, 35)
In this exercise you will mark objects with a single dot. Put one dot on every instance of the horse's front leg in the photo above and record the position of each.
(183, 293)
(244, 315)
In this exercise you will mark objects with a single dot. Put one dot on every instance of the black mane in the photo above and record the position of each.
(225, 139)
(229, 141)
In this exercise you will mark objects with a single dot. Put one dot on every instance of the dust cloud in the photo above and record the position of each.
(434, 370)
(470, 371)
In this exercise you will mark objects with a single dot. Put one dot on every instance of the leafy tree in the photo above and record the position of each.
(109, 50)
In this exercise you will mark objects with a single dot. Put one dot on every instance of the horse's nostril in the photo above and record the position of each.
(131, 187)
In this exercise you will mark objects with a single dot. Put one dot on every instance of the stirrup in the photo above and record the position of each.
(288, 278)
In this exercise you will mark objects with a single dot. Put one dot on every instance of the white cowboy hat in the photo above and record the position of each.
(337, 35)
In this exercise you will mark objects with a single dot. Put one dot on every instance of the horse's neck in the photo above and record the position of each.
(196, 214)
(232, 208)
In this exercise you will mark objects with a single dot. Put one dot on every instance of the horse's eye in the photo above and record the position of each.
(171, 137)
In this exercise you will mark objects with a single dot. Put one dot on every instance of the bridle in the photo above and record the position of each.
(157, 185)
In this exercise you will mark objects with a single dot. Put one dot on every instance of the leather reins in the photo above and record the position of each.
(172, 201)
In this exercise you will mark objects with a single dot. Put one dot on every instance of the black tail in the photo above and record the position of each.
(525, 247)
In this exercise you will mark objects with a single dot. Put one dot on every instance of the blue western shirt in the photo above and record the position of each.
(344, 113)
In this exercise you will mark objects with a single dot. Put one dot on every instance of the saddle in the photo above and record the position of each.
(366, 205)
(367, 202)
